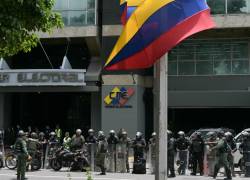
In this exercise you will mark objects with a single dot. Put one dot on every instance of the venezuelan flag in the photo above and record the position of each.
(154, 28)
(123, 7)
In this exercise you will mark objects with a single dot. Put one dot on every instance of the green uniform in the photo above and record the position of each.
(66, 143)
(221, 160)
(22, 155)
(102, 147)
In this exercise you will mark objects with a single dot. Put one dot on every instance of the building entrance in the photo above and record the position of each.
(69, 110)
(191, 119)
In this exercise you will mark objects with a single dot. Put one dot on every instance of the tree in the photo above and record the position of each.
(19, 22)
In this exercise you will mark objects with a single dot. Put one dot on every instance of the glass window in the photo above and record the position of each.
(91, 17)
(240, 67)
(91, 4)
(222, 67)
(204, 56)
(236, 6)
(217, 6)
(61, 5)
(65, 17)
(186, 68)
(240, 51)
(172, 68)
(172, 55)
(204, 67)
(77, 18)
(77, 4)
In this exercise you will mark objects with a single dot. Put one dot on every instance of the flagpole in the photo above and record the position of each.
(161, 115)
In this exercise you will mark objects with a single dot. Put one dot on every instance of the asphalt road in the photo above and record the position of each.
(6, 174)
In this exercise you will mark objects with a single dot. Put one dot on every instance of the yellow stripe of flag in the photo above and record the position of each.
(134, 23)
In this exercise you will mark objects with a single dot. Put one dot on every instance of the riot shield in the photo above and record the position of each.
(121, 157)
(210, 157)
(151, 158)
(92, 156)
(111, 156)
(50, 153)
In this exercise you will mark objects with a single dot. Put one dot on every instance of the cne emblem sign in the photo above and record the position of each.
(119, 97)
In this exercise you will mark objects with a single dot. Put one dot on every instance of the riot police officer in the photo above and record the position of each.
(33, 146)
(22, 155)
(182, 145)
(152, 147)
(171, 154)
(197, 153)
(91, 139)
(125, 140)
(211, 155)
(78, 141)
(43, 142)
(138, 145)
(102, 147)
(66, 141)
(231, 149)
(245, 149)
(112, 139)
(221, 152)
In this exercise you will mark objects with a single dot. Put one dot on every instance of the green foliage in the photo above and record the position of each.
(88, 174)
(20, 19)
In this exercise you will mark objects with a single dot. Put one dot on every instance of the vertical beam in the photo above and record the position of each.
(161, 92)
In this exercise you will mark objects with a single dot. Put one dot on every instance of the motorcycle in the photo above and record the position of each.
(11, 161)
(73, 160)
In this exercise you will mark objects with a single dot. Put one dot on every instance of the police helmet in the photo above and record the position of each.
(1, 132)
(41, 134)
(100, 134)
(52, 134)
(91, 131)
(78, 131)
(245, 134)
(21, 133)
(153, 134)
(228, 134)
(198, 133)
(138, 135)
(112, 132)
(33, 135)
(124, 133)
(181, 133)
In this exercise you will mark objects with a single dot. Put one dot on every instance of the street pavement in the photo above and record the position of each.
(6, 174)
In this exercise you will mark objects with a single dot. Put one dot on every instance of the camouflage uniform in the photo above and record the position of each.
(22, 155)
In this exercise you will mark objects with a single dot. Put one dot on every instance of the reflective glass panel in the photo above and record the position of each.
(236, 6)
(91, 4)
(204, 67)
(240, 67)
(91, 17)
(77, 18)
(77, 4)
(222, 67)
(217, 6)
(172, 68)
(186, 68)
(61, 5)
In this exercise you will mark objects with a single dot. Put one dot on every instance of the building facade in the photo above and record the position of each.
(62, 81)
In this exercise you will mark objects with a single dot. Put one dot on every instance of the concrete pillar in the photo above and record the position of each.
(4, 110)
(130, 115)
(96, 111)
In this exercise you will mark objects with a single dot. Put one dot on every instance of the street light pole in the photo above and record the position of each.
(161, 115)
